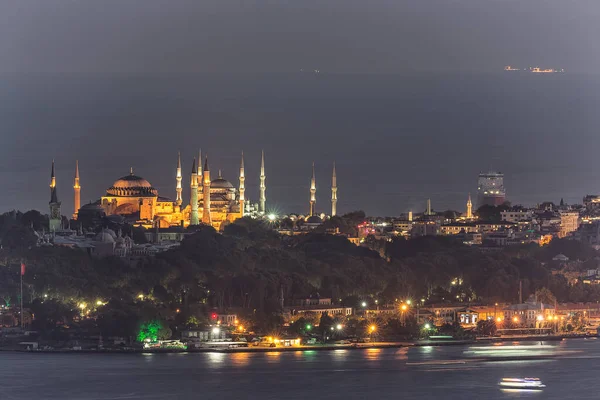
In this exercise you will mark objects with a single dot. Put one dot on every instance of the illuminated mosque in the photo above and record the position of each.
(216, 202)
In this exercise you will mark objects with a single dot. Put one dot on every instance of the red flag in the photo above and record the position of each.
(22, 268)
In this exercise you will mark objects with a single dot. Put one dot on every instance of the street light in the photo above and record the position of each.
(427, 326)
(338, 327)
(364, 304)
(408, 302)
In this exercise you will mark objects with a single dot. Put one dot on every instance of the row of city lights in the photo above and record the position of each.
(540, 318)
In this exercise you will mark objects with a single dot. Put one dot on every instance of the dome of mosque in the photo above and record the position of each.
(106, 236)
(131, 186)
(221, 183)
(314, 220)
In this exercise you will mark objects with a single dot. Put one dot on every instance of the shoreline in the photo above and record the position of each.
(354, 346)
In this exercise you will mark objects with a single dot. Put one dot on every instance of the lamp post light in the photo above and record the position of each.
(403, 309)
(372, 330)
(540, 320)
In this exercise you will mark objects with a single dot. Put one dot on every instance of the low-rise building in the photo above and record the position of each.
(529, 313)
(516, 216)
(569, 223)
(331, 310)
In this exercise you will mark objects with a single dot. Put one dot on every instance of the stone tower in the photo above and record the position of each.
(55, 218)
(333, 193)
(262, 202)
(313, 192)
(206, 194)
(76, 191)
(469, 208)
(194, 195)
(242, 187)
(178, 189)
(199, 172)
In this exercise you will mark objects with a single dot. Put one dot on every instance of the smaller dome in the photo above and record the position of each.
(314, 220)
(92, 207)
(106, 236)
(221, 183)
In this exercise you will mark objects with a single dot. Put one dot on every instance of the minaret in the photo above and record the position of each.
(76, 191)
(313, 192)
(55, 217)
(242, 187)
(178, 189)
(333, 193)
(199, 171)
(469, 208)
(194, 195)
(428, 212)
(263, 188)
(206, 195)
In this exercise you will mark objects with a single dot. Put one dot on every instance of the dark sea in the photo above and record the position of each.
(418, 373)
(396, 139)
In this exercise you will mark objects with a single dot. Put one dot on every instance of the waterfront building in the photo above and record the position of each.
(530, 313)
(317, 306)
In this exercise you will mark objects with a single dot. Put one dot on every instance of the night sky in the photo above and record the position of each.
(410, 103)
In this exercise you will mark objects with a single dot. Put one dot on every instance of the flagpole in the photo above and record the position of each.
(22, 301)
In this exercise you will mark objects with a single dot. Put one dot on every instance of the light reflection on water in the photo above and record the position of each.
(410, 373)
(340, 355)
(401, 354)
(240, 359)
(373, 354)
(273, 357)
(216, 358)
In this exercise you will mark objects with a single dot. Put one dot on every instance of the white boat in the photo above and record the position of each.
(521, 384)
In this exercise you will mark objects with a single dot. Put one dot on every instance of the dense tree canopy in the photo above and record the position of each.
(248, 267)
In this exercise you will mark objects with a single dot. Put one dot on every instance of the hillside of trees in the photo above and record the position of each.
(249, 266)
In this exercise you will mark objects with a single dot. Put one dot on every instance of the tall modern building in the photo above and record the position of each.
(490, 189)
